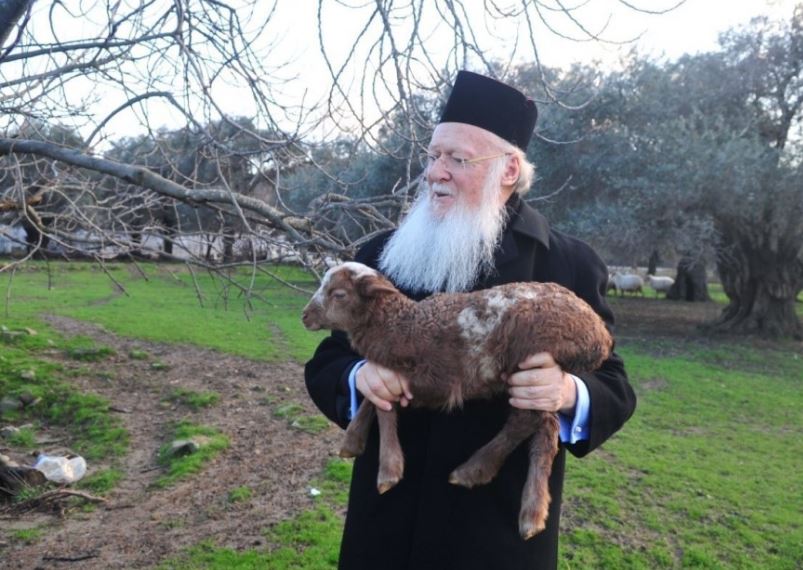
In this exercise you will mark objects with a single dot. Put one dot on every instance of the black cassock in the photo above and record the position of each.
(425, 522)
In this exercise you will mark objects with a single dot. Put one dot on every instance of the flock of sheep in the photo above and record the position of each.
(622, 283)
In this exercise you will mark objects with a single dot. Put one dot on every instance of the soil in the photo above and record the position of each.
(140, 525)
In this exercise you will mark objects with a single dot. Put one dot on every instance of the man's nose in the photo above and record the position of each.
(437, 172)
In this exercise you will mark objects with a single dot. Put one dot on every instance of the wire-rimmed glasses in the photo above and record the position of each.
(452, 162)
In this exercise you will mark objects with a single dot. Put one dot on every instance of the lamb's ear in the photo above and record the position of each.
(373, 286)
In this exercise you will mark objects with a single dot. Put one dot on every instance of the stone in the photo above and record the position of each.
(16, 479)
(6, 461)
(9, 431)
(27, 399)
(182, 447)
(9, 404)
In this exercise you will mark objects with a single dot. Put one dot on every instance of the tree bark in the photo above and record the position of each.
(762, 288)
(228, 248)
(690, 282)
(652, 264)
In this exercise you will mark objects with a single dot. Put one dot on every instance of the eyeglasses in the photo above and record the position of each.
(452, 162)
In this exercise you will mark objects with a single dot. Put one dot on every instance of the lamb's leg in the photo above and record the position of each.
(486, 461)
(357, 431)
(535, 496)
(391, 458)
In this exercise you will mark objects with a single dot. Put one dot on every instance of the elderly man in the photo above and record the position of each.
(469, 229)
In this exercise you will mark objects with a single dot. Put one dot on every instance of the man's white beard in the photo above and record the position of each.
(451, 253)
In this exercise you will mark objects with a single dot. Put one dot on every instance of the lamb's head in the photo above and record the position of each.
(342, 300)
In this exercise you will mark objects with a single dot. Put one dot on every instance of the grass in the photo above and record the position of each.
(26, 535)
(293, 412)
(93, 431)
(89, 354)
(101, 482)
(240, 494)
(211, 443)
(310, 541)
(193, 399)
(705, 475)
(163, 306)
(24, 438)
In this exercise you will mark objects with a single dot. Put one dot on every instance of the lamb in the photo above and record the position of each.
(660, 284)
(627, 282)
(455, 347)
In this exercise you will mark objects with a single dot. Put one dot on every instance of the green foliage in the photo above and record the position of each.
(29, 492)
(193, 399)
(164, 307)
(26, 535)
(211, 443)
(289, 410)
(709, 458)
(240, 494)
(138, 355)
(211, 557)
(311, 424)
(101, 482)
(89, 354)
(309, 541)
(293, 412)
(94, 433)
(25, 438)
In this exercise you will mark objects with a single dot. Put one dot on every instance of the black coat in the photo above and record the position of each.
(425, 522)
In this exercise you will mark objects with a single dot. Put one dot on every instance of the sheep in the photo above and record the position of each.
(627, 282)
(660, 284)
(611, 286)
(455, 347)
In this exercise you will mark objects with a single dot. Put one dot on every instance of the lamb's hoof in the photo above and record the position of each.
(351, 449)
(468, 477)
(385, 485)
(390, 473)
(529, 527)
(346, 453)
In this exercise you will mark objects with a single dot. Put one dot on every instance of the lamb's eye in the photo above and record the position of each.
(337, 294)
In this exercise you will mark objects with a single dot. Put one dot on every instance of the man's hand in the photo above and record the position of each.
(540, 384)
(383, 386)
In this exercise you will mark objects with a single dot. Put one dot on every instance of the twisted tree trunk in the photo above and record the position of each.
(761, 279)
(691, 283)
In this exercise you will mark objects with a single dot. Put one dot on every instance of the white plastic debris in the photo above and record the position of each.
(60, 469)
(314, 492)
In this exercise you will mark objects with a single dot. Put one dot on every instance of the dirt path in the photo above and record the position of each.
(141, 526)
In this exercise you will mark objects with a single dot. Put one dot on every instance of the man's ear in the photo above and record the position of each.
(512, 171)
(373, 286)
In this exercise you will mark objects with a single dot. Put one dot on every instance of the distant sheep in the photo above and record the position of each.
(660, 284)
(627, 282)
(455, 347)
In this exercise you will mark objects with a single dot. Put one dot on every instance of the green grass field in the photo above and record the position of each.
(707, 474)
(162, 304)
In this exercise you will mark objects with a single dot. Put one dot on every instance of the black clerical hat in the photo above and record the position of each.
(491, 105)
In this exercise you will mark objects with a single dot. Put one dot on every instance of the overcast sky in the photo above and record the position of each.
(692, 27)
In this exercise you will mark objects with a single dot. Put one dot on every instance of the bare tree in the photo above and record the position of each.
(103, 66)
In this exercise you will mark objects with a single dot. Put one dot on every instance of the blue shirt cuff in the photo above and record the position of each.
(353, 403)
(575, 429)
